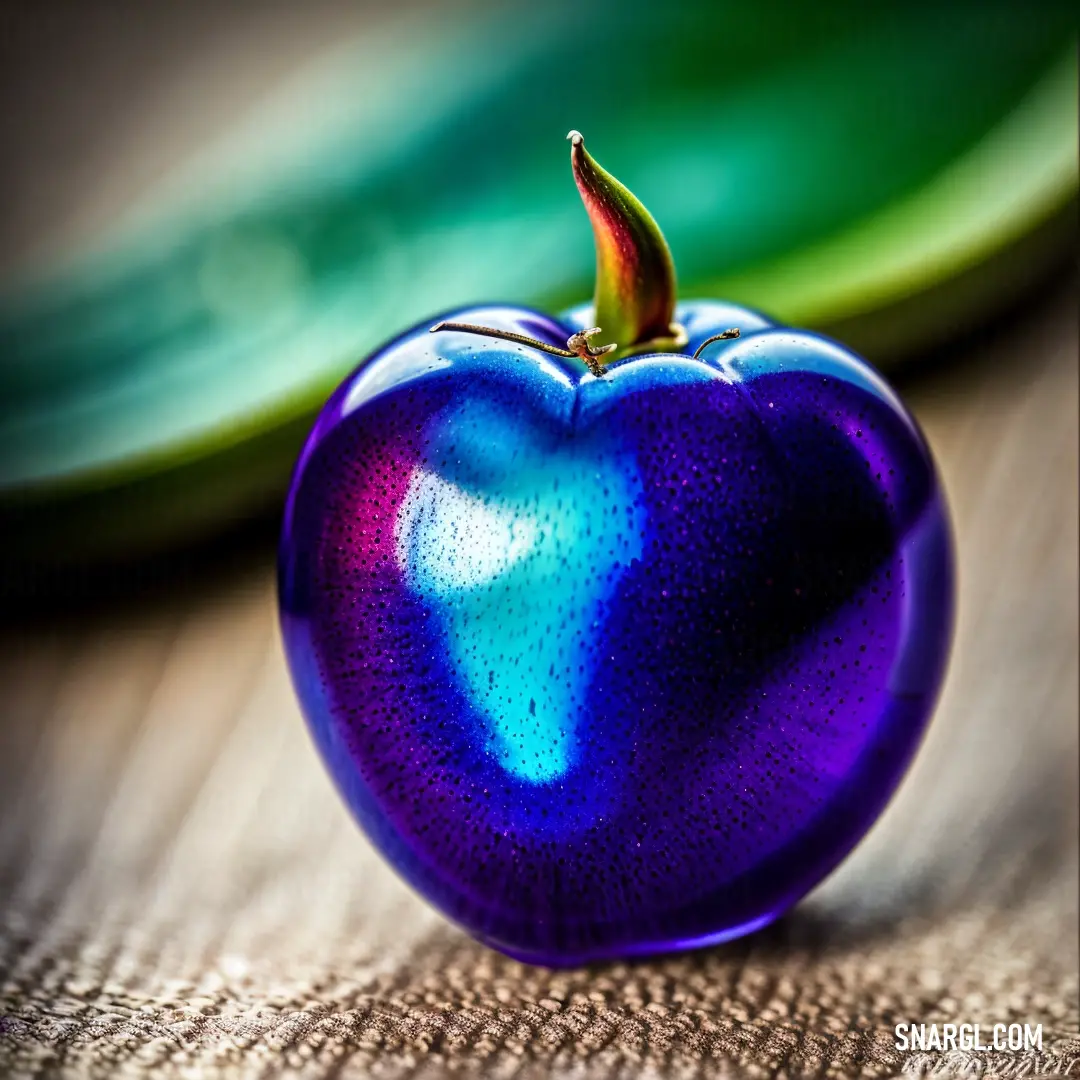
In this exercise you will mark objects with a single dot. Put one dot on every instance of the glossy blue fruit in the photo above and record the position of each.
(611, 665)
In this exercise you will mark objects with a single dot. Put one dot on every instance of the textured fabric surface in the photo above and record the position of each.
(182, 894)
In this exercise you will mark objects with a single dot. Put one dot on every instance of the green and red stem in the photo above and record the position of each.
(635, 275)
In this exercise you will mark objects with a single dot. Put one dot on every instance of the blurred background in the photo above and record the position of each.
(210, 213)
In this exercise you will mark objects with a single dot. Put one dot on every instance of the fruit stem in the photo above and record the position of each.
(577, 344)
(635, 274)
(726, 335)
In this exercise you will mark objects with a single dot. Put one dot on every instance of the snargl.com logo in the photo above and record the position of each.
(974, 1037)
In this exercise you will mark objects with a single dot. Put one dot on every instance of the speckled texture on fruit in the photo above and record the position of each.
(611, 666)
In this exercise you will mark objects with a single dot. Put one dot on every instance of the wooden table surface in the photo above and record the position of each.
(183, 894)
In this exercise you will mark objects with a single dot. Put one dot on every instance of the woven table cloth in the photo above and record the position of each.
(182, 894)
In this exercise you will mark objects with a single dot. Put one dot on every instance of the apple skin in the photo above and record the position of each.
(614, 666)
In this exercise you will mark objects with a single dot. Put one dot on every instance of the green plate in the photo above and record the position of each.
(885, 173)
